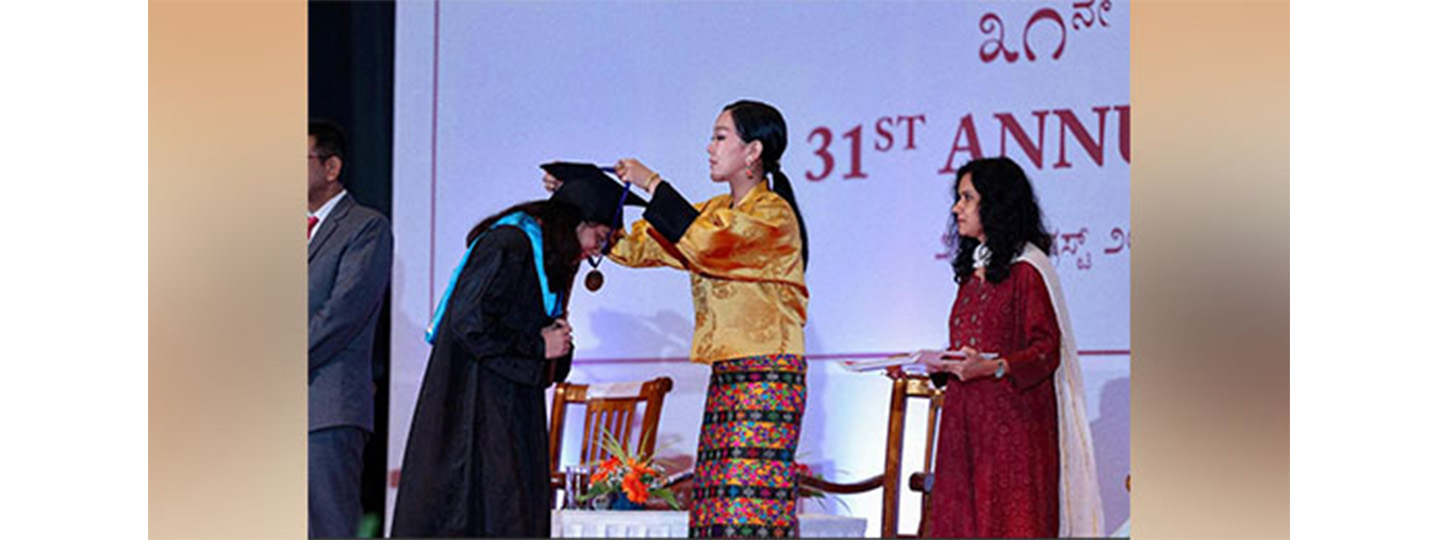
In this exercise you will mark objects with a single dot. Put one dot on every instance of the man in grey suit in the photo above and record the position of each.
(349, 261)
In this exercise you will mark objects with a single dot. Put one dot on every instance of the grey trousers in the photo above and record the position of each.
(336, 458)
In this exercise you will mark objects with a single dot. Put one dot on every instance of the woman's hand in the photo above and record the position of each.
(938, 361)
(558, 341)
(972, 366)
(631, 170)
(551, 183)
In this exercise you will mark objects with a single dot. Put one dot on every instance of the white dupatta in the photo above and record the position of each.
(1081, 513)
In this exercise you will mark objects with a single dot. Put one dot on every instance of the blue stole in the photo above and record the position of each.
(532, 229)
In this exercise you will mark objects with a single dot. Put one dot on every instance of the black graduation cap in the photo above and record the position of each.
(600, 198)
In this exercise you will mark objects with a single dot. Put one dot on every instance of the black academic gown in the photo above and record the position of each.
(477, 460)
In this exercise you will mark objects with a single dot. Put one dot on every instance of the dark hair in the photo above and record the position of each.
(757, 121)
(1009, 214)
(558, 221)
(329, 138)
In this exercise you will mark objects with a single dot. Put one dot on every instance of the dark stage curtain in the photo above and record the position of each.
(352, 75)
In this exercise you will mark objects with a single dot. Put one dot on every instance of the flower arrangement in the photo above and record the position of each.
(628, 479)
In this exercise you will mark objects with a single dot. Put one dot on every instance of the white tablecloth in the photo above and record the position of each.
(668, 524)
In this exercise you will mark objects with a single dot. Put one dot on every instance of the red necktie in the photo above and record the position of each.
(310, 228)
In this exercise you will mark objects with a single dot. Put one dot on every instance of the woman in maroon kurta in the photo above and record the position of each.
(997, 469)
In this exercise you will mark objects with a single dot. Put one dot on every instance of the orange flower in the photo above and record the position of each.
(636, 465)
(603, 470)
(635, 490)
(642, 469)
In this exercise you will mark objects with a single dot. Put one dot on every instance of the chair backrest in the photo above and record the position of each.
(612, 406)
(902, 390)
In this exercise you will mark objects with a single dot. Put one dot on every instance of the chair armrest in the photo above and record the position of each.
(685, 480)
(922, 482)
(682, 486)
(807, 481)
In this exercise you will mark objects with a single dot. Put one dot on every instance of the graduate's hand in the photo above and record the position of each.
(558, 341)
(551, 183)
(631, 170)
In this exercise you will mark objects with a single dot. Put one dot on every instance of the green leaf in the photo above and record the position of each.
(669, 498)
(608, 442)
(644, 436)
(588, 495)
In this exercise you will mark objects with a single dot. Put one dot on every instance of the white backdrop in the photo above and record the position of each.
(893, 95)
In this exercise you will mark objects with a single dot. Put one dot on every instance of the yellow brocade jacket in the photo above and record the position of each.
(746, 274)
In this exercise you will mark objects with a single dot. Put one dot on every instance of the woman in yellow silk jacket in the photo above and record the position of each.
(745, 252)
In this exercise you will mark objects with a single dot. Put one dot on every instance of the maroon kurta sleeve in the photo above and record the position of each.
(1041, 331)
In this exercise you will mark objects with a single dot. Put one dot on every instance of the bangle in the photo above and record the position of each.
(650, 182)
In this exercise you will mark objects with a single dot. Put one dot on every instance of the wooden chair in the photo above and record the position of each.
(613, 407)
(903, 389)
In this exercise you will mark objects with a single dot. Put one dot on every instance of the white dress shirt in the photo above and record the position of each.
(322, 213)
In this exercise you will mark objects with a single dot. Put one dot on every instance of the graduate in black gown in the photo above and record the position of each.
(477, 460)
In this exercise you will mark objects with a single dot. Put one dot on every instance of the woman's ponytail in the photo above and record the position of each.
(782, 187)
(758, 121)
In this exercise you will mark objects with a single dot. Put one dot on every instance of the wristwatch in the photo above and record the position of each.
(1000, 372)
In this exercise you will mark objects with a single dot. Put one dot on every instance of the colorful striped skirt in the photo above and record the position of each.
(745, 482)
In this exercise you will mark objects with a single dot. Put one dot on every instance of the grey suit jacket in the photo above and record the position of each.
(350, 255)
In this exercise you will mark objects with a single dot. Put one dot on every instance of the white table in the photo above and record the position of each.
(675, 524)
